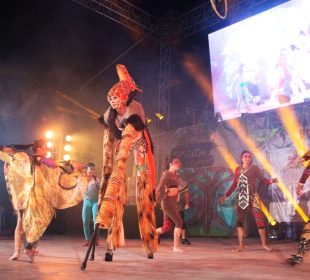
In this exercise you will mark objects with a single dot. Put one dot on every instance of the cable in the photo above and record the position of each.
(102, 70)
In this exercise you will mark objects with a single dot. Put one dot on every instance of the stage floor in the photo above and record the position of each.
(207, 258)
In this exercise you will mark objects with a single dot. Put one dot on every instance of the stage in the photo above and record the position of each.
(207, 258)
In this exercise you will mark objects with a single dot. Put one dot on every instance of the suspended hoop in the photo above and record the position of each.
(217, 12)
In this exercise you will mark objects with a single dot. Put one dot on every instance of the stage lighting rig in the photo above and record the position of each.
(159, 116)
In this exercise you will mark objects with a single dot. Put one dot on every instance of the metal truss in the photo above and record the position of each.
(203, 17)
(136, 19)
(125, 14)
(164, 80)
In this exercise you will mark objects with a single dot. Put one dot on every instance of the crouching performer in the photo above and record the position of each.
(305, 234)
(125, 131)
(37, 187)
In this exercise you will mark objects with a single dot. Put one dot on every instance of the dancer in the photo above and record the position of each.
(125, 130)
(167, 193)
(305, 234)
(245, 180)
(183, 202)
(90, 201)
(37, 186)
(39, 151)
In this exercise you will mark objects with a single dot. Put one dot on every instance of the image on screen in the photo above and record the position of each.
(262, 62)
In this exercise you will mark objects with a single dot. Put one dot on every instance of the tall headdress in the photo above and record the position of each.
(125, 86)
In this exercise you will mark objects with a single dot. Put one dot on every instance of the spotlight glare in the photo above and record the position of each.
(49, 134)
(67, 148)
(48, 154)
(68, 138)
(237, 126)
(273, 223)
(66, 157)
(148, 120)
(49, 144)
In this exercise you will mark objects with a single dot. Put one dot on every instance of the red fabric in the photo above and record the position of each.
(150, 158)
(234, 184)
(167, 225)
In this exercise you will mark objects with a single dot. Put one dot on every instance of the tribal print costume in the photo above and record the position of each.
(123, 133)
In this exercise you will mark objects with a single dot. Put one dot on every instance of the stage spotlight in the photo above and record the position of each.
(67, 147)
(148, 120)
(218, 117)
(68, 138)
(49, 134)
(49, 144)
(159, 116)
(66, 157)
(273, 223)
(273, 230)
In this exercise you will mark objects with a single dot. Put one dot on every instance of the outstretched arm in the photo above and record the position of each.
(261, 177)
(232, 187)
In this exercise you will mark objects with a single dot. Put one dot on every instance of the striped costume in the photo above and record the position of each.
(123, 134)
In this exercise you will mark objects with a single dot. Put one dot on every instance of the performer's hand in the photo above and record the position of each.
(7, 150)
(101, 121)
(76, 165)
(186, 206)
(299, 189)
(223, 198)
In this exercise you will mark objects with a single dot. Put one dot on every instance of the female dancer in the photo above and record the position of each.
(167, 192)
(37, 186)
(245, 180)
(90, 201)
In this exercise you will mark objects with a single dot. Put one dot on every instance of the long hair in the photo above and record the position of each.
(24, 147)
(89, 165)
(246, 152)
(170, 159)
(38, 143)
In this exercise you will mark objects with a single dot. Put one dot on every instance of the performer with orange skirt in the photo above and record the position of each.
(125, 131)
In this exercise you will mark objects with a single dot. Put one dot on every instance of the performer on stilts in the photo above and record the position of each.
(125, 131)
(245, 181)
(305, 234)
(37, 187)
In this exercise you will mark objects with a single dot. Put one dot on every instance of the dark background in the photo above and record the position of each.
(58, 45)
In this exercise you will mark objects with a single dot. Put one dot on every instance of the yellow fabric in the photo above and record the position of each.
(41, 193)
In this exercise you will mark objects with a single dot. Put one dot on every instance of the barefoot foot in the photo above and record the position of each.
(239, 249)
(177, 249)
(267, 248)
(15, 256)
